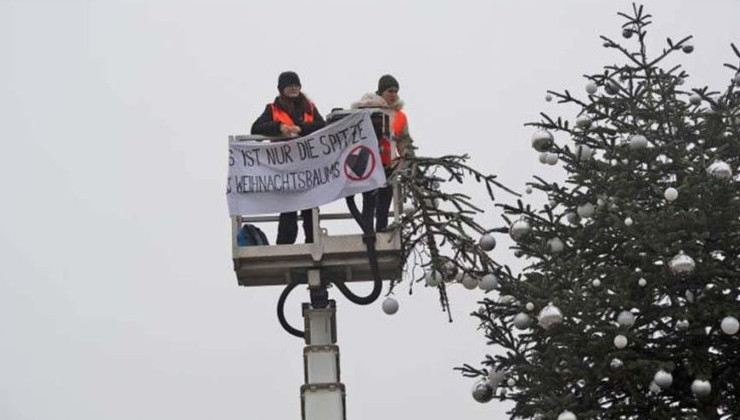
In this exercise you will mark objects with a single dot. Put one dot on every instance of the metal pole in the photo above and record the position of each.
(322, 395)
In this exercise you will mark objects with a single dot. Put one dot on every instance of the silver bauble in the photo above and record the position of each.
(730, 325)
(487, 242)
(551, 158)
(409, 209)
(542, 140)
(548, 97)
(549, 316)
(528, 190)
(390, 306)
(510, 382)
(433, 278)
(688, 48)
(519, 228)
(627, 33)
(543, 157)
(694, 99)
(555, 245)
(720, 170)
(522, 321)
(612, 87)
(628, 221)
(488, 282)
(616, 363)
(583, 121)
(482, 391)
(663, 379)
(701, 387)
(682, 264)
(682, 324)
(567, 415)
(573, 218)
(620, 341)
(626, 319)
(583, 152)
(591, 88)
(529, 306)
(638, 142)
(642, 282)
(585, 210)
(469, 282)
(670, 194)
(596, 283)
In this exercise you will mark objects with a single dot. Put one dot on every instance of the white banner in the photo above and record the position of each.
(339, 160)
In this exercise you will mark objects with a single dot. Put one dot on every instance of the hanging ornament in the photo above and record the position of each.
(488, 282)
(433, 278)
(591, 88)
(583, 121)
(567, 415)
(552, 203)
(642, 282)
(638, 142)
(682, 264)
(688, 48)
(626, 319)
(390, 306)
(730, 325)
(701, 387)
(519, 229)
(511, 382)
(596, 283)
(720, 170)
(682, 324)
(616, 364)
(528, 190)
(694, 99)
(409, 209)
(628, 221)
(583, 152)
(482, 391)
(549, 316)
(469, 282)
(542, 140)
(543, 157)
(522, 321)
(572, 218)
(551, 158)
(627, 33)
(555, 245)
(663, 379)
(620, 341)
(487, 242)
(529, 306)
(548, 97)
(585, 210)
(670, 194)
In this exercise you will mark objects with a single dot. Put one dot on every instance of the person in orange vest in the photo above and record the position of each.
(291, 114)
(386, 97)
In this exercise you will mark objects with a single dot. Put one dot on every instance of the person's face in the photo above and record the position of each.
(390, 95)
(292, 91)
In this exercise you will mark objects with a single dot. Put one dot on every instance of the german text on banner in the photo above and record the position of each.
(339, 160)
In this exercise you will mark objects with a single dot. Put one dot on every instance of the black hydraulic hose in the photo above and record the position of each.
(369, 238)
(281, 311)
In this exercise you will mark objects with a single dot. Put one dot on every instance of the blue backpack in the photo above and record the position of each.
(251, 235)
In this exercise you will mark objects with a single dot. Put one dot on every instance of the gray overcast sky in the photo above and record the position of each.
(117, 296)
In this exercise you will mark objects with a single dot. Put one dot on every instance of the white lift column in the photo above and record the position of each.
(322, 395)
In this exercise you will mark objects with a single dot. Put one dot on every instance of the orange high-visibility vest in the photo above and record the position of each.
(398, 125)
(283, 117)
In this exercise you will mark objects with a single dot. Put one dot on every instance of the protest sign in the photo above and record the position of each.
(339, 160)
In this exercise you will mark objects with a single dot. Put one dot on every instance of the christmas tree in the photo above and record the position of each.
(629, 302)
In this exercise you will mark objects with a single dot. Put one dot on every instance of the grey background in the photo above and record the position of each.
(117, 297)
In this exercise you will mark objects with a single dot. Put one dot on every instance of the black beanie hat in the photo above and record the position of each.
(386, 82)
(288, 78)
